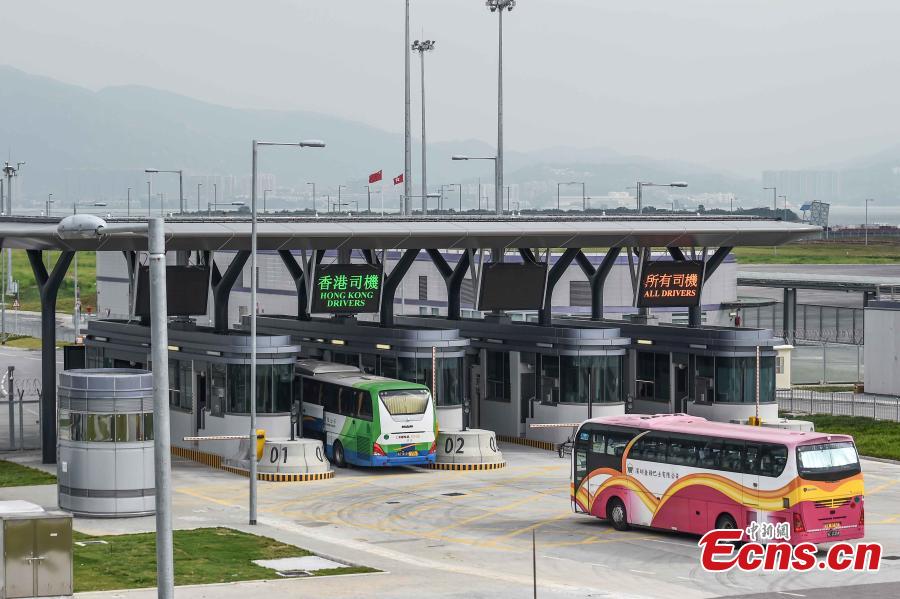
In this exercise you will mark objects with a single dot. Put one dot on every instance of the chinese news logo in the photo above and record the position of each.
(768, 549)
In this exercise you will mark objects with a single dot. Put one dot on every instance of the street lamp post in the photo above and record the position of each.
(497, 192)
(784, 210)
(867, 219)
(76, 308)
(422, 47)
(774, 191)
(313, 196)
(215, 194)
(253, 310)
(642, 184)
(583, 193)
(180, 174)
(149, 199)
(128, 203)
(499, 6)
(265, 202)
(407, 123)
(199, 185)
(49, 201)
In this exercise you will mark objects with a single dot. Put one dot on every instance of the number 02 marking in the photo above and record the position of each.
(449, 445)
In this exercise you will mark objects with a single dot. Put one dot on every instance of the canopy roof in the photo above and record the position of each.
(291, 233)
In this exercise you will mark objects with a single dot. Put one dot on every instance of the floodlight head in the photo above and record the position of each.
(459, 157)
(312, 143)
(151, 170)
(678, 184)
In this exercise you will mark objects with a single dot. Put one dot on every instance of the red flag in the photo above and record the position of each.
(398, 179)
(375, 177)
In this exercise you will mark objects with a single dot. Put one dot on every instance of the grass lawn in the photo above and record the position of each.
(875, 438)
(821, 253)
(202, 556)
(28, 293)
(26, 342)
(16, 475)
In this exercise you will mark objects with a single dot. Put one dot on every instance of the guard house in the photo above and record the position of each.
(521, 373)
(707, 371)
(209, 375)
(412, 354)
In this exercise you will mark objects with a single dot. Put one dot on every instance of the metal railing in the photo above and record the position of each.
(830, 324)
(839, 403)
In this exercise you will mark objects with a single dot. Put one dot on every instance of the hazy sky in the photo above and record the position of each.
(737, 84)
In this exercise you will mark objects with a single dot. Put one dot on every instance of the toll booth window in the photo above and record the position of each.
(217, 380)
(450, 388)
(99, 427)
(148, 426)
(653, 381)
(283, 380)
(498, 377)
(736, 380)
(65, 425)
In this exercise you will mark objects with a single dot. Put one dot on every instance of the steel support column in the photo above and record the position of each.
(453, 278)
(48, 288)
(299, 278)
(597, 278)
(545, 315)
(789, 316)
(222, 285)
(392, 282)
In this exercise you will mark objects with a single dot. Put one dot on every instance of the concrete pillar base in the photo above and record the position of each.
(474, 449)
(285, 460)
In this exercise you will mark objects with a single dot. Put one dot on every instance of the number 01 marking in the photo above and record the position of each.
(277, 453)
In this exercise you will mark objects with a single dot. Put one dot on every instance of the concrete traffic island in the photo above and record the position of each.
(472, 449)
(284, 460)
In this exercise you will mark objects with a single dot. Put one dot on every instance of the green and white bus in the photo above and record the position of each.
(366, 420)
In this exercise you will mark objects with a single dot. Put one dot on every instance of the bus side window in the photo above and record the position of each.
(772, 460)
(616, 443)
(709, 454)
(364, 405)
(732, 456)
(751, 458)
(331, 398)
(650, 448)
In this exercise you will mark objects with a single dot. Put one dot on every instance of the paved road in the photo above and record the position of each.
(858, 591)
(825, 298)
(468, 534)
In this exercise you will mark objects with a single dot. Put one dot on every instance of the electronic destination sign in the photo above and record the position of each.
(670, 284)
(512, 286)
(346, 289)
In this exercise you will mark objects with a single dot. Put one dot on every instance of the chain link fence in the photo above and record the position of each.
(839, 403)
(20, 426)
(827, 324)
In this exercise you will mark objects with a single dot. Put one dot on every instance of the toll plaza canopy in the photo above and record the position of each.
(287, 233)
(86, 232)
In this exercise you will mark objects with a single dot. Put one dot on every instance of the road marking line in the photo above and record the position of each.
(683, 578)
(882, 487)
(790, 594)
(641, 572)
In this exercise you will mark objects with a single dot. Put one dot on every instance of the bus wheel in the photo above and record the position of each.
(616, 514)
(339, 459)
(726, 521)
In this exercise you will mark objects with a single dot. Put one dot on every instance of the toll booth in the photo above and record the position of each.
(706, 371)
(415, 354)
(521, 373)
(209, 378)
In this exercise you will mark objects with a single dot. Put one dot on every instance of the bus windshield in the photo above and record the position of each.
(827, 461)
(405, 402)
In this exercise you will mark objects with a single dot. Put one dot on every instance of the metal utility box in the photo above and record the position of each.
(37, 551)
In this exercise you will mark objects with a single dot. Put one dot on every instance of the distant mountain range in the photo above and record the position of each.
(80, 144)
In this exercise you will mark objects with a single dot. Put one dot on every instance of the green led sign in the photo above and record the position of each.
(347, 289)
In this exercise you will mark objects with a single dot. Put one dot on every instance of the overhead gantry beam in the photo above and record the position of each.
(392, 282)
(222, 285)
(48, 289)
(597, 277)
(453, 279)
